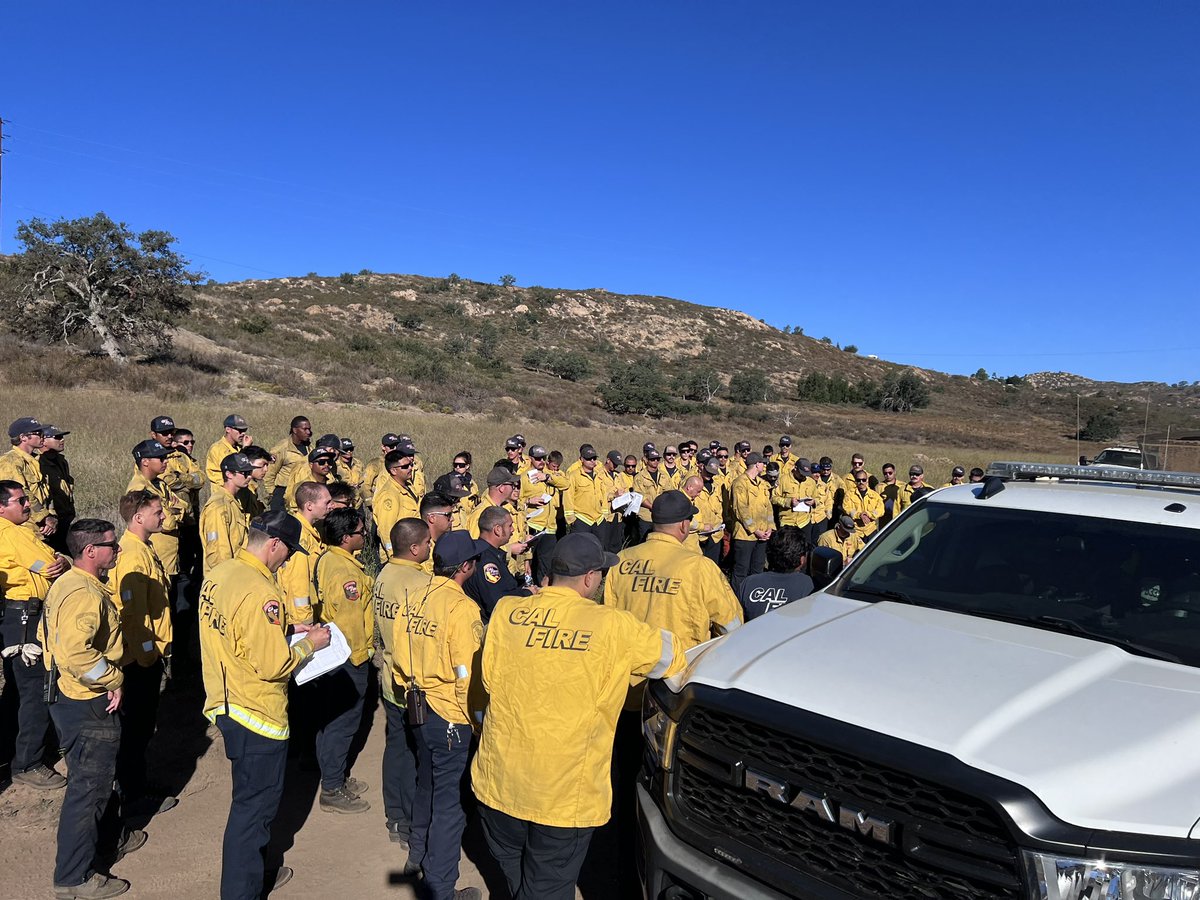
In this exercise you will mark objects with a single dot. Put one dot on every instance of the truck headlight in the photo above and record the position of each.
(1066, 878)
(658, 730)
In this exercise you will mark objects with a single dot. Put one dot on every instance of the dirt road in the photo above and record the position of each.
(333, 855)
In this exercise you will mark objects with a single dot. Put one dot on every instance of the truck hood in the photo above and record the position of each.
(1105, 739)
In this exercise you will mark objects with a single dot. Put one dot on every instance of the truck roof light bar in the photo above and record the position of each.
(1029, 471)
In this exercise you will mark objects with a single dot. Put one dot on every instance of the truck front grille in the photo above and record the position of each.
(947, 845)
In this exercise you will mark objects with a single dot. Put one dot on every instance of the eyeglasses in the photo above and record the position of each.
(24, 501)
(112, 545)
(631, 465)
(403, 466)
(723, 456)
(863, 480)
(168, 433)
(240, 430)
(670, 454)
(459, 465)
(446, 514)
(825, 468)
(323, 462)
(188, 443)
(360, 531)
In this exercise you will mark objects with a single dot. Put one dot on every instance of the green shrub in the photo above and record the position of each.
(255, 324)
(636, 389)
(746, 388)
(899, 393)
(346, 278)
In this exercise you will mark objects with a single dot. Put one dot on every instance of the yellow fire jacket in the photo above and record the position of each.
(17, 465)
(184, 478)
(751, 508)
(287, 457)
(669, 585)
(344, 592)
(244, 647)
(855, 504)
(175, 508)
(23, 557)
(556, 667)
(826, 493)
(711, 508)
(539, 518)
(139, 585)
(435, 644)
(650, 486)
(788, 491)
(353, 473)
(81, 633)
(400, 582)
(588, 496)
(212, 461)
(393, 502)
(223, 527)
(370, 480)
(300, 475)
(850, 546)
(295, 577)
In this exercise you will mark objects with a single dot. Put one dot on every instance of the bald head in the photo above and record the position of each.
(693, 486)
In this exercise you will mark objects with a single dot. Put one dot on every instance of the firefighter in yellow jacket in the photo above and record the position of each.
(318, 470)
(289, 453)
(27, 567)
(395, 495)
(247, 664)
(435, 645)
(556, 667)
(223, 522)
(295, 577)
(754, 520)
(843, 537)
(710, 521)
(344, 594)
(140, 593)
(20, 465)
(236, 437)
(650, 482)
(588, 495)
(863, 505)
(541, 491)
(149, 462)
(81, 637)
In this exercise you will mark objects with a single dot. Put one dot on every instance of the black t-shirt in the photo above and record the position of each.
(766, 591)
(491, 581)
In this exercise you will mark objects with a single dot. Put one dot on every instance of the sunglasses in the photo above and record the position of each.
(24, 501)
(188, 443)
(670, 454)
(404, 466)
(112, 545)
(863, 480)
(459, 465)
(240, 430)
(722, 456)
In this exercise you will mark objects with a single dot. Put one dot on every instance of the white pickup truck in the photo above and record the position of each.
(998, 698)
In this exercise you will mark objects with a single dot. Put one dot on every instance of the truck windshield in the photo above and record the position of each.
(1128, 583)
(1110, 457)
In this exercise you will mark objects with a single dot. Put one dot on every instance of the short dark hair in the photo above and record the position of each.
(308, 492)
(134, 502)
(84, 532)
(339, 524)
(493, 516)
(340, 490)
(254, 453)
(7, 488)
(891, 466)
(432, 502)
(555, 457)
(465, 454)
(408, 531)
(394, 456)
(505, 464)
(296, 420)
(187, 431)
(786, 549)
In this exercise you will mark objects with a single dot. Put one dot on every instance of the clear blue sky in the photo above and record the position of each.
(1014, 185)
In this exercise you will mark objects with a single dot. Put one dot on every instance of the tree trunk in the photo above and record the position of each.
(108, 343)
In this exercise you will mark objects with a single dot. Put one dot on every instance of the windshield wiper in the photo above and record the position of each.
(1070, 626)
(884, 594)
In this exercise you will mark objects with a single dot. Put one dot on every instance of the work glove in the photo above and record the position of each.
(11, 651)
(31, 653)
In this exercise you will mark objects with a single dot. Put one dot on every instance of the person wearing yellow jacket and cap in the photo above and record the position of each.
(318, 470)
(863, 505)
(754, 520)
(223, 522)
(676, 588)
(28, 436)
(843, 537)
(588, 495)
(344, 595)
(237, 436)
(27, 567)
(650, 482)
(556, 667)
(81, 637)
(435, 657)
(149, 462)
(247, 664)
(710, 521)
(541, 491)
(140, 587)
(376, 469)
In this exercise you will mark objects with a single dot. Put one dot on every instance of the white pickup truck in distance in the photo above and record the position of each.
(999, 698)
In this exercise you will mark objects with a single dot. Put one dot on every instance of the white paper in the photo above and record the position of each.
(324, 660)
(635, 503)
(623, 500)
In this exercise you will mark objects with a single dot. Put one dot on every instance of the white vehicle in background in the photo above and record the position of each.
(1124, 457)
(999, 698)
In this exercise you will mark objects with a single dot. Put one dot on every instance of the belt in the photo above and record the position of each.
(23, 604)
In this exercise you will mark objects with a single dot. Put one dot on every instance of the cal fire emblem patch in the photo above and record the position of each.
(491, 572)
(271, 608)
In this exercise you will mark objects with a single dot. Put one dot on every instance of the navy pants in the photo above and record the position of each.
(438, 816)
(23, 688)
(543, 552)
(90, 737)
(139, 713)
(258, 766)
(749, 558)
(340, 710)
(540, 862)
(399, 767)
(712, 549)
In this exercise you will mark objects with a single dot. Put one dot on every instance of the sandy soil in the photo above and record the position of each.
(333, 855)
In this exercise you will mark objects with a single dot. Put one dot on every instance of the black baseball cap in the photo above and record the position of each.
(577, 554)
(615, 457)
(150, 449)
(329, 441)
(501, 475)
(237, 462)
(785, 441)
(456, 547)
(740, 446)
(27, 425)
(587, 451)
(671, 507)
(325, 453)
(233, 420)
(804, 465)
(537, 451)
(449, 485)
(959, 471)
(753, 459)
(53, 431)
(347, 445)
(281, 525)
(512, 444)
(390, 440)
(162, 425)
